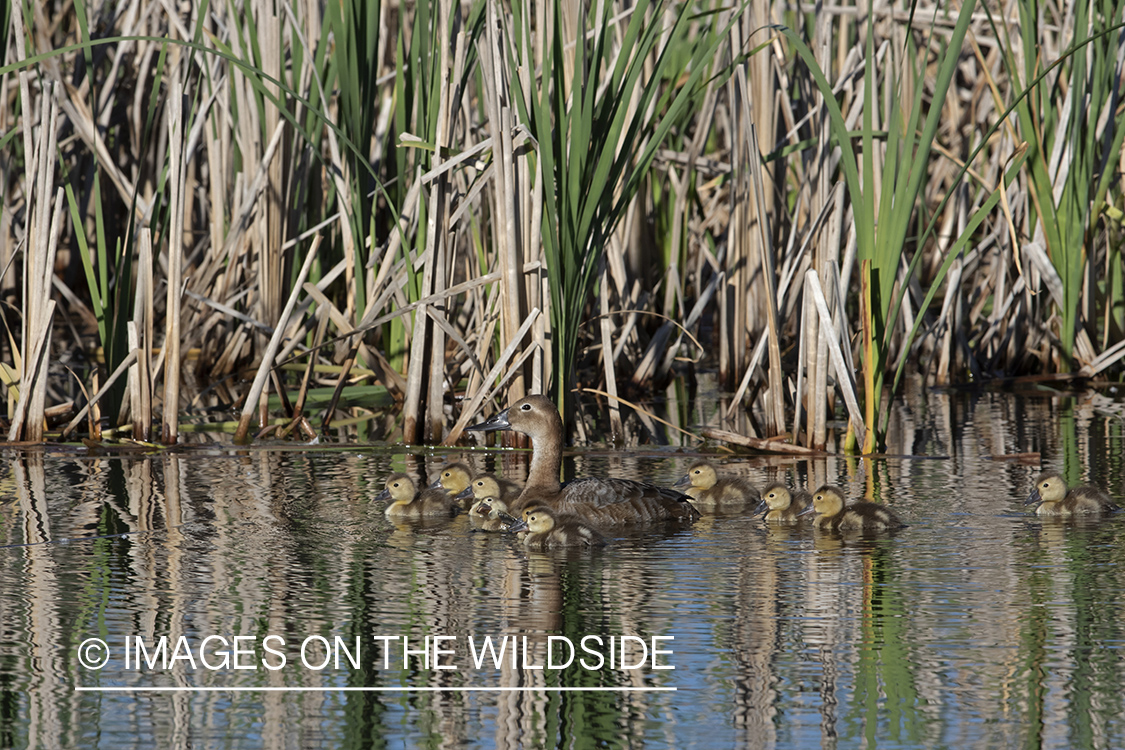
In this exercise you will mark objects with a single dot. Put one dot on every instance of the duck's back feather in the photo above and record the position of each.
(613, 502)
(861, 516)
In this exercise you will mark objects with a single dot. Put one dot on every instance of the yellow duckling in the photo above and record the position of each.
(706, 487)
(785, 506)
(453, 478)
(408, 503)
(1051, 493)
(486, 486)
(833, 515)
(491, 514)
(542, 529)
(604, 502)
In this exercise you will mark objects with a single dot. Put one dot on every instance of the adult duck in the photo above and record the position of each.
(542, 528)
(785, 506)
(833, 514)
(601, 502)
(408, 503)
(707, 488)
(1055, 500)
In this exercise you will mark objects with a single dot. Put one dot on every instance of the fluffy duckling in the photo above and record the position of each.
(542, 529)
(491, 514)
(706, 487)
(408, 503)
(833, 515)
(602, 502)
(1051, 493)
(785, 506)
(453, 478)
(486, 486)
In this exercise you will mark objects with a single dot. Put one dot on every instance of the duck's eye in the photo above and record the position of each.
(525, 407)
(772, 494)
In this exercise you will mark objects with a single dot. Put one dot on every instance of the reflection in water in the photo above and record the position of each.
(978, 626)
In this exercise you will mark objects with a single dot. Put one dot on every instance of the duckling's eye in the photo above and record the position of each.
(525, 407)
(772, 494)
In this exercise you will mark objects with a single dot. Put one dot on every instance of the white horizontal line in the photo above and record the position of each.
(328, 689)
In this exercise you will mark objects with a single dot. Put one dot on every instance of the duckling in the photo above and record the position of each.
(542, 529)
(706, 487)
(453, 478)
(833, 515)
(601, 502)
(487, 486)
(411, 504)
(1051, 493)
(491, 514)
(785, 506)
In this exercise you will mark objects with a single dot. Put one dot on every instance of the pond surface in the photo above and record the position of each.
(978, 626)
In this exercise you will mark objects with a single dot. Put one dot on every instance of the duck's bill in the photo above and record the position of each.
(760, 508)
(683, 481)
(498, 422)
(382, 496)
(506, 518)
(1034, 497)
(436, 484)
(517, 526)
(464, 494)
(806, 511)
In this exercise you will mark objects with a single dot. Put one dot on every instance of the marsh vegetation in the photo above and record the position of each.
(415, 210)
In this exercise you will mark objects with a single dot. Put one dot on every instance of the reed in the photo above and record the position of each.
(519, 199)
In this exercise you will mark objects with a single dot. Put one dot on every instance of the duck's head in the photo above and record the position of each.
(826, 501)
(1049, 488)
(453, 477)
(399, 488)
(701, 475)
(537, 520)
(533, 415)
(485, 486)
(777, 496)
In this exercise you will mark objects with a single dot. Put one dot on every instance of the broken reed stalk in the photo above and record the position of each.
(264, 369)
(140, 340)
(775, 415)
(615, 426)
(843, 374)
(488, 389)
(170, 430)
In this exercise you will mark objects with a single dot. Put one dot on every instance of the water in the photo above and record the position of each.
(978, 626)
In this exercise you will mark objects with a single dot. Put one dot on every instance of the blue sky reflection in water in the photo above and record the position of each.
(977, 626)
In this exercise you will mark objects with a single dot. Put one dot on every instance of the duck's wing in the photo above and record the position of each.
(613, 502)
(1090, 499)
